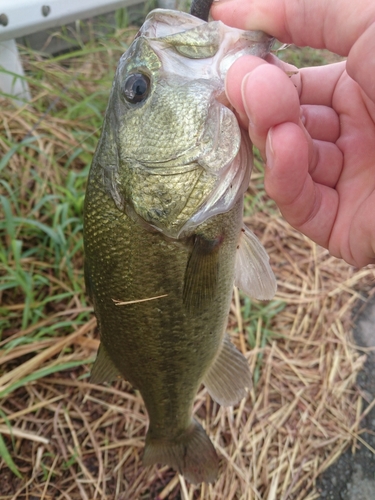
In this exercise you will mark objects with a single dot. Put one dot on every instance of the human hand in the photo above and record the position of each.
(317, 128)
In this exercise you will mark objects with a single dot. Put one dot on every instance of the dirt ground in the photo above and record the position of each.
(352, 477)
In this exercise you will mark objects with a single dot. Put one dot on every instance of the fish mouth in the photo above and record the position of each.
(230, 186)
(223, 155)
(214, 147)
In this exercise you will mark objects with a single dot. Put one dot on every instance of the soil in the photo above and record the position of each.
(352, 477)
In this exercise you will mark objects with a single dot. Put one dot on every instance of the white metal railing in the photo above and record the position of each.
(23, 17)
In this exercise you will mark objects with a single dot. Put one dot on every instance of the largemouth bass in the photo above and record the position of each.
(164, 237)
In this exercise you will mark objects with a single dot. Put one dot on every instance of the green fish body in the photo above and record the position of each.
(164, 237)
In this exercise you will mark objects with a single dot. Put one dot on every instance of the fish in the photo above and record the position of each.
(164, 237)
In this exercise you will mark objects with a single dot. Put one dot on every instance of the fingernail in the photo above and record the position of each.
(269, 150)
(244, 100)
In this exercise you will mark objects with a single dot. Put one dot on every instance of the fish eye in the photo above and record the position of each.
(136, 88)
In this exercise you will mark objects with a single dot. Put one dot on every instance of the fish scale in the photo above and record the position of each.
(163, 232)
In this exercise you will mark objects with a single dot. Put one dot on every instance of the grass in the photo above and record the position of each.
(46, 149)
(62, 437)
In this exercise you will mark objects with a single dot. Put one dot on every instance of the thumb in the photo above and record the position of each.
(331, 24)
(344, 27)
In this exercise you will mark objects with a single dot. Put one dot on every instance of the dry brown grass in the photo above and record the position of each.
(75, 440)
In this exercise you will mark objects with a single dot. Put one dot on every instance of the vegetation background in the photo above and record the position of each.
(64, 438)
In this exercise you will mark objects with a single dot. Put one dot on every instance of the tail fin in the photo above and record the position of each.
(192, 454)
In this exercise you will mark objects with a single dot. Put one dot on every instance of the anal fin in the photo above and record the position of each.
(229, 376)
(103, 369)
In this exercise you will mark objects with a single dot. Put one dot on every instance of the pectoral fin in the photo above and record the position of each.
(254, 275)
(103, 369)
(229, 376)
(201, 273)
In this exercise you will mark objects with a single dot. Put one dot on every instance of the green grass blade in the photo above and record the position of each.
(5, 455)
(43, 372)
